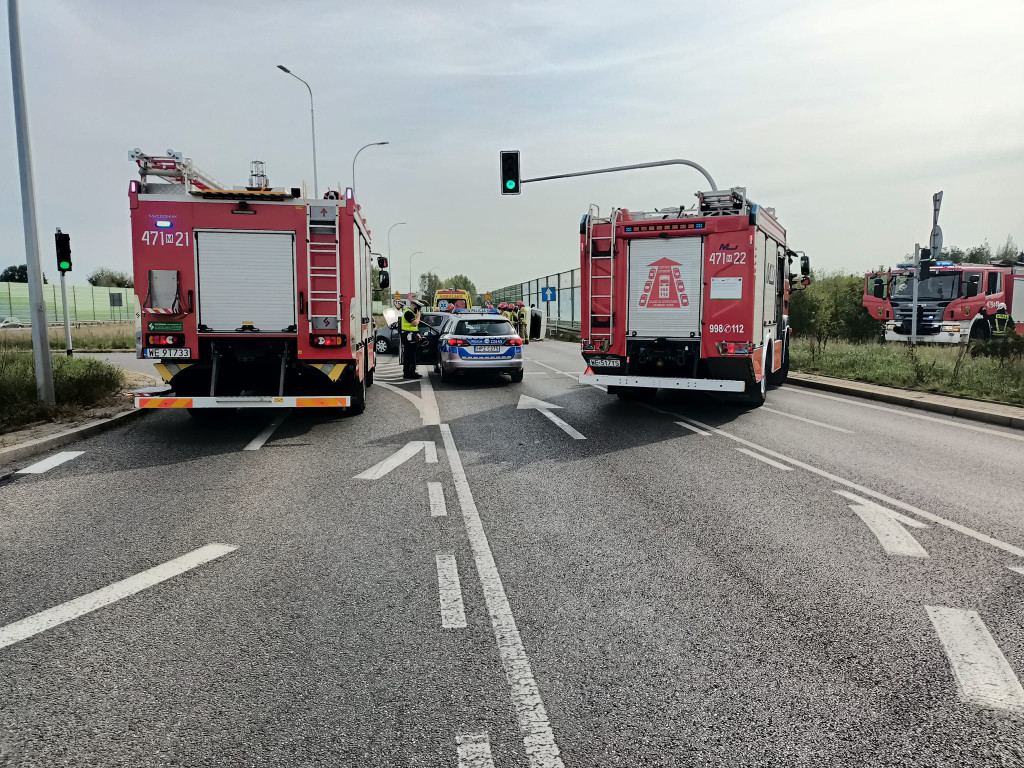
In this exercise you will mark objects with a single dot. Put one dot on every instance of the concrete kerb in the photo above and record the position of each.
(43, 444)
(924, 401)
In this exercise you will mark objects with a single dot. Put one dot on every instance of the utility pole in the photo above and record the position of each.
(40, 337)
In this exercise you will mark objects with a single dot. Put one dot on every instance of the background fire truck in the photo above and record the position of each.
(251, 296)
(692, 299)
(955, 302)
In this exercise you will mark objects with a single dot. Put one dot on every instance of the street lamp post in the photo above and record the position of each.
(312, 123)
(397, 224)
(366, 146)
(410, 268)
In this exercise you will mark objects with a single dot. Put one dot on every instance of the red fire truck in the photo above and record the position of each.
(252, 296)
(955, 302)
(683, 298)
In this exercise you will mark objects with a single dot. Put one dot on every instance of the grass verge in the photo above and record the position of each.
(83, 337)
(981, 371)
(78, 383)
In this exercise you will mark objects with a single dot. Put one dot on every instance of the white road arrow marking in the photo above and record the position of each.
(888, 526)
(531, 403)
(398, 458)
(982, 673)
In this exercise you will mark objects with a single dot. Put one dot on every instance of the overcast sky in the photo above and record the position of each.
(845, 117)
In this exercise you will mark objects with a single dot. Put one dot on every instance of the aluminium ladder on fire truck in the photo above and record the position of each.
(596, 258)
(323, 270)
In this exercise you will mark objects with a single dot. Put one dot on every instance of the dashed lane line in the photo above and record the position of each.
(257, 442)
(49, 463)
(474, 750)
(437, 506)
(449, 592)
(538, 737)
(684, 425)
(766, 460)
(72, 609)
(983, 676)
(806, 420)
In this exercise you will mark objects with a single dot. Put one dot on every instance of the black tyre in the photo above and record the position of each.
(517, 376)
(445, 376)
(980, 330)
(357, 391)
(756, 392)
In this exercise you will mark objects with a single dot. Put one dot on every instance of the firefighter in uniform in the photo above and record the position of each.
(524, 325)
(410, 323)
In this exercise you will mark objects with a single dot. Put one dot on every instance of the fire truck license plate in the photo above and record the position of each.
(487, 350)
(180, 353)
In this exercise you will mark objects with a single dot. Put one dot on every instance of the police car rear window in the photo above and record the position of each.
(484, 328)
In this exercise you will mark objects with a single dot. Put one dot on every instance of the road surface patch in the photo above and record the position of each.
(72, 609)
(47, 464)
(449, 592)
(983, 676)
(538, 737)
(805, 419)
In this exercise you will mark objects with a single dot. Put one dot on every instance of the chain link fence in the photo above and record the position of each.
(86, 303)
(562, 307)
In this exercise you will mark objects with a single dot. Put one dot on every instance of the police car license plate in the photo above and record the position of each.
(487, 350)
(170, 352)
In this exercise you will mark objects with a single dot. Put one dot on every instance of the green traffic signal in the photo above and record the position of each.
(510, 184)
(64, 265)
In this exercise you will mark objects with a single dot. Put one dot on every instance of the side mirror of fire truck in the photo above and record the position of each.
(383, 280)
(879, 290)
(805, 265)
(973, 285)
(382, 262)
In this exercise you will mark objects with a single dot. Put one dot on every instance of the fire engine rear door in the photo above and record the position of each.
(246, 279)
(665, 287)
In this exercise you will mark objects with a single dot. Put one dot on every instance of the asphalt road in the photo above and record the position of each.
(455, 578)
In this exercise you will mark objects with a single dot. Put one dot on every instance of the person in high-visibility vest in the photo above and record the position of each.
(524, 325)
(410, 325)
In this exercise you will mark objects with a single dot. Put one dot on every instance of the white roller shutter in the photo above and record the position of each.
(246, 277)
(665, 287)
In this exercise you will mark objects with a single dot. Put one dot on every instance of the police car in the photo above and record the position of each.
(479, 340)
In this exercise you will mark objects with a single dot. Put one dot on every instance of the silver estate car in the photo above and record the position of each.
(479, 340)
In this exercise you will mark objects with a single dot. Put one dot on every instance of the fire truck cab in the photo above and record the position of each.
(252, 296)
(694, 299)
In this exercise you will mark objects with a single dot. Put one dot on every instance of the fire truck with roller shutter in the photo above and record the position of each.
(252, 296)
(688, 298)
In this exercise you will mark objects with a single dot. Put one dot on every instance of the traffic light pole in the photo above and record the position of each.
(657, 164)
(67, 325)
(40, 338)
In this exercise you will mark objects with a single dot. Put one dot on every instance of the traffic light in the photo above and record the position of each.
(510, 172)
(924, 266)
(63, 251)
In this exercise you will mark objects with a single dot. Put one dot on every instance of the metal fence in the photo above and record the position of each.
(86, 303)
(563, 308)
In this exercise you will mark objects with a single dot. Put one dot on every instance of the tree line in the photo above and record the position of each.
(102, 277)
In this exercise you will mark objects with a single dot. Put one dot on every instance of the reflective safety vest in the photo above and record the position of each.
(408, 327)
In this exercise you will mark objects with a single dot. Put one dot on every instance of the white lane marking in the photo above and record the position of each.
(1016, 569)
(474, 750)
(983, 675)
(72, 609)
(429, 412)
(765, 459)
(887, 525)
(257, 442)
(574, 376)
(1013, 550)
(802, 418)
(531, 403)
(892, 513)
(684, 425)
(437, 505)
(399, 457)
(449, 592)
(910, 413)
(46, 464)
(538, 738)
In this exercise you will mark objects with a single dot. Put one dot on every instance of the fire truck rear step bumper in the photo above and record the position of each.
(243, 402)
(709, 385)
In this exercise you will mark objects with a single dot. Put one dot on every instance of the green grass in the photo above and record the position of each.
(77, 382)
(83, 337)
(942, 370)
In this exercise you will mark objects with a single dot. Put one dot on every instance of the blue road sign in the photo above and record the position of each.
(548, 294)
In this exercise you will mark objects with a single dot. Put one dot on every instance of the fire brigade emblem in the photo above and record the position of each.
(664, 288)
(881, 311)
(967, 311)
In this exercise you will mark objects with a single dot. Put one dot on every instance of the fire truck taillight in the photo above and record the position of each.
(734, 347)
(327, 341)
(165, 340)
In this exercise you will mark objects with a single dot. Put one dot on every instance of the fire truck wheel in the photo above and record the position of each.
(980, 330)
